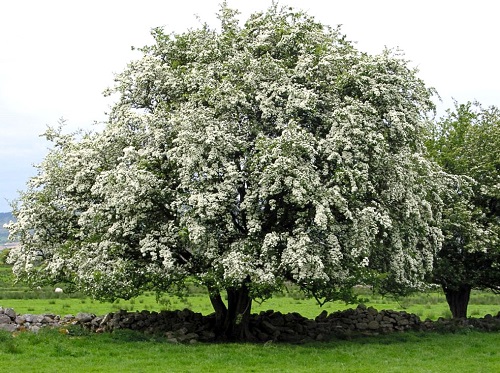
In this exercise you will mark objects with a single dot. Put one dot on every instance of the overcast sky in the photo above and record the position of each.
(57, 56)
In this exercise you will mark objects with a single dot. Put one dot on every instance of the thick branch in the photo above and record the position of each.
(238, 226)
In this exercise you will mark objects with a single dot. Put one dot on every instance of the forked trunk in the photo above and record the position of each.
(458, 300)
(232, 321)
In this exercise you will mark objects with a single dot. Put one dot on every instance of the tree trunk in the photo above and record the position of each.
(232, 322)
(458, 300)
(220, 312)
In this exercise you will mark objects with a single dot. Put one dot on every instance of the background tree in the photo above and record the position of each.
(243, 158)
(467, 142)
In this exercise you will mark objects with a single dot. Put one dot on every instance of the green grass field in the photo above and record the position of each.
(50, 351)
(127, 351)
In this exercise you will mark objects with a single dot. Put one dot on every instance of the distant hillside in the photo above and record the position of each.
(5, 217)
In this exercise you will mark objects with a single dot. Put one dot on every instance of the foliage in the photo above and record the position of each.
(3, 256)
(242, 158)
(467, 142)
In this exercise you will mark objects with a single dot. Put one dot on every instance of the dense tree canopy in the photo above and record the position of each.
(467, 142)
(244, 158)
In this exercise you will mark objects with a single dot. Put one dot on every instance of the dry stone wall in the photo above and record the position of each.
(188, 327)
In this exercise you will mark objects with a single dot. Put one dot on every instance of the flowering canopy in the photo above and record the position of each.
(251, 156)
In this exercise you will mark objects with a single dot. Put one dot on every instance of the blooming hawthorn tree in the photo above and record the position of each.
(244, 158)
(467, 142)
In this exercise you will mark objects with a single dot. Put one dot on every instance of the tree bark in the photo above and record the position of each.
(233, 321)
(238, 315)
(458, 300)
(220, 311)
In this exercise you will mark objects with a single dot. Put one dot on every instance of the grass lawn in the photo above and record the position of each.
(124, 351)
(127, 351)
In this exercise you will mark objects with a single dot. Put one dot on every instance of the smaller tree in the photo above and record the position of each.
(467, 142)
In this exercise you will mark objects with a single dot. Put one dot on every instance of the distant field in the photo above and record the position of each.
(430, 306)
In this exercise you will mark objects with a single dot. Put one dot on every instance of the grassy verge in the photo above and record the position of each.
(50, 351)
